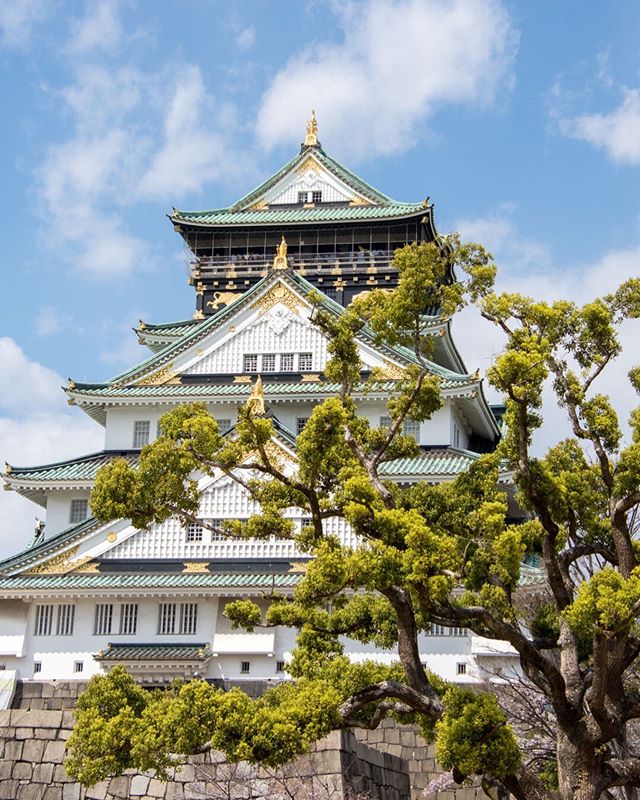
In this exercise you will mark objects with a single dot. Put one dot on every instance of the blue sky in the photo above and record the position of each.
(521, 121)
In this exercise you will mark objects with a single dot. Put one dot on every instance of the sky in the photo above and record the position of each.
(520, 120)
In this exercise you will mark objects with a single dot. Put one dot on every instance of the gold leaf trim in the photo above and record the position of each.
(87, 566)
(310, 378)
(278, 294)
(299, 567)
(195, 566)
(55, 566)
(392, 371)
(159, 377)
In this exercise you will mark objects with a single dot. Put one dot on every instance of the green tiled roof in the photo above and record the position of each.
(180, 580)
(155, 652)
(74, 469)
(168, 329)
(275, 215)
(432, 462)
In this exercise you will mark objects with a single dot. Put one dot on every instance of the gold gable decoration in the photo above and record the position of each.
(58, 565)
(160, 377)
(308, 164)
(195, 567)
(392, 371)
(278, 294)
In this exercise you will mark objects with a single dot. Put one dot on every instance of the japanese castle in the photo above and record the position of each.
(87, 595)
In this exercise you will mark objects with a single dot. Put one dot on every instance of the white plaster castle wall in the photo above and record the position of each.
(59, 509)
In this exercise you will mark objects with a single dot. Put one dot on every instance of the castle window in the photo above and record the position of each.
(269, 362)
(305, 361)
(279, 666)
(316, 197)
(102, 620)
(193, 532)
(37, 666)
(302, 197)
(78, 666)
(44, 620)
(78, 511)
(188, 617)
(215, 536)
(224, 425)
(412, 428)
(436, 630)
(300, 423)
(385, 422)
(245, 667)
(166, 618)
(455, 631)
(461, 669)
(141, 431)
(286, 362)
(128, 618)
(456, 435)
(66, 615)
(250, 362)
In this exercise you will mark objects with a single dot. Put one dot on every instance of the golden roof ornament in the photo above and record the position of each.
(280, 260)
(256, 399)
(311, 139)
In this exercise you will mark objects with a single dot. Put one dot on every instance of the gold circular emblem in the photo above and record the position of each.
(111, 536)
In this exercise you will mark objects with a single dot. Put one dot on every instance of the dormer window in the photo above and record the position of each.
(302, 197)
(316, 197)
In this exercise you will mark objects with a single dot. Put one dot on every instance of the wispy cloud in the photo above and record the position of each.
(398, 63)
(246, 38)
(50, 321)
(18, 19)
(100, 29)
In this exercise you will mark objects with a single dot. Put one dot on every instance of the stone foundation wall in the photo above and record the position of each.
(392, 762)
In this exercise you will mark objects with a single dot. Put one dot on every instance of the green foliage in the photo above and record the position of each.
(607, 603)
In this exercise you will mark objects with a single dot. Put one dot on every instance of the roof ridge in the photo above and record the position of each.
(66, 461)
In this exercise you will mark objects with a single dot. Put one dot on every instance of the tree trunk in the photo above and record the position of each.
(579, 769)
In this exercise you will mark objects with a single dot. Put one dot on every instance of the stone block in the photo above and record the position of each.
(68, 719)
(33, 751)
(53, 793)
(43, 773)
(175, 791)
(97, 792)
(5, 718)
(195, 791)
(45, 733)
(156, 788)
(21, 717)
(24, 733)
(8, 789)
(64, 734)
(71, 791)
(31, 791)
(119, 787)
(60, 774)
(392, 736)
(54, 751)
(187, 773)
(139, 785)
(22, 771)
(13, 751)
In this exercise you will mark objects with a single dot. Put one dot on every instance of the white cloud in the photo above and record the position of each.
(99, 29)
(50, 321)
(498, 233)
(36, 427)
(18, 18)
(246, 38)
(399, 61)
(617, 133)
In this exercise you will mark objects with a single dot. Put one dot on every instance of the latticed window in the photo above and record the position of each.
(141, 432)
(250, 362)
(456, 435)
(279, 666)
(436, 630)
(316, 197)
(79, 511)
(188, 618)
(66, 615)
(305, 361)
(456, 631)
(245, 667)
(286, 362)
(166, 618)
(224, 425)
(302, 197)
(194, 532)
(44, 620)
(385, 422)
(300, 423)
(215, 535)
(103, 619)
(37, 666)
(412, 428)
(461, 669)
(269, 362)
(128, 618)
(78, 666)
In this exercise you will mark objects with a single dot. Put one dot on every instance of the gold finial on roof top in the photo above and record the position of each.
(256, 399)
(280, 259)
(311, 139)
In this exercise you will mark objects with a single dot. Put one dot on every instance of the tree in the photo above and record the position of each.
(444, 554)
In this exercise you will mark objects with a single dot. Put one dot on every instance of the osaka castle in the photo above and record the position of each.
(86, 595)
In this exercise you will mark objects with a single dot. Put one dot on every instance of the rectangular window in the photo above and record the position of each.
(279, 666)
(385, 422)
(269, 362)
(37, 666)
(455, 631)
(250, 362)
(215, 536)
(331, 292)
(66, 615)
(188, 617)
(316, 197)
(166, 618)
(436, 630)
(193, 532)
(128, 618)
(158, 430)
(412, 428)
(78, 666)
(44, 620)
(141, 431)
(103, 619)
(305, 362)
(286, 362)
(302, 197)
(245, 667)
(300, 423)
(461, 669)
(79, 511)
(456, 435)
(224, 425)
